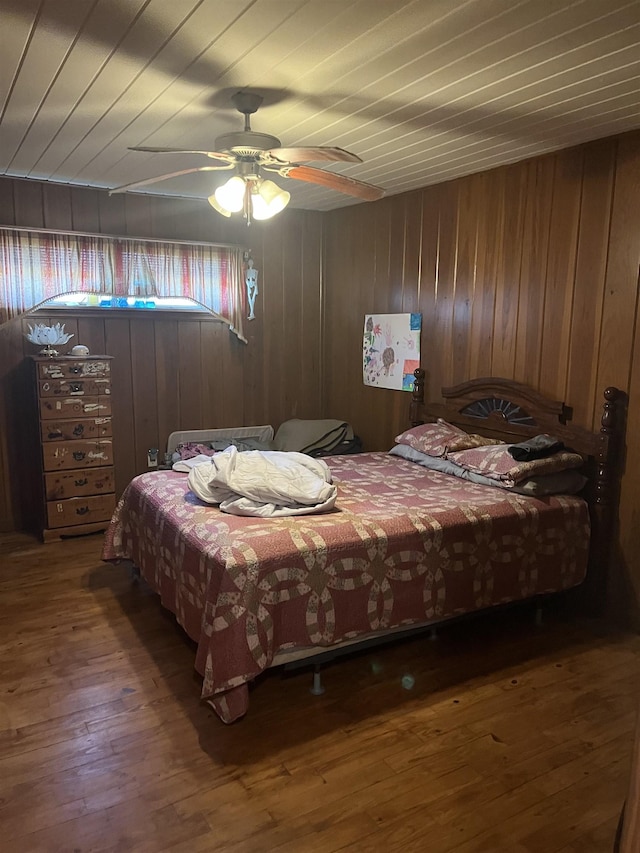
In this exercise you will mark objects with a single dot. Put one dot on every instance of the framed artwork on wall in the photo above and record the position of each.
(391, 350)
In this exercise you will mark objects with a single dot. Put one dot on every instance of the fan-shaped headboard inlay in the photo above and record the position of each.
(490, 407)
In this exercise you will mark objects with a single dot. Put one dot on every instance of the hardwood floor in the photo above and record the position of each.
(512, 738)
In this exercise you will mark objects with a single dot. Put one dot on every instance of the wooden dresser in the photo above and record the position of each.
(74, 412)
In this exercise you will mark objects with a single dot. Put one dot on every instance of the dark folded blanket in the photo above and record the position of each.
(535, 448)
(311, 436)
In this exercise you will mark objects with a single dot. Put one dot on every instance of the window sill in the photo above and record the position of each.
(137, 313)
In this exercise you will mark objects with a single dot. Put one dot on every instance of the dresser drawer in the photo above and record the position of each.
(74, 387)
(53, 430)
(61, 455)
(63, 408)
(74, 369)
(71, 484)
(74, 511)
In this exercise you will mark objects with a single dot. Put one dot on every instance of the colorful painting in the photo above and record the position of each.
(391, 350)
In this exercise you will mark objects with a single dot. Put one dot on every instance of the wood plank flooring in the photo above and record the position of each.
(512, 738)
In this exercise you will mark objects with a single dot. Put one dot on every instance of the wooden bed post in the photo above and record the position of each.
(417, 396)
(603, 519)
(606, 468)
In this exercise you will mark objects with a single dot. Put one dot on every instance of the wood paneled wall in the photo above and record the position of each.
(173, 371)
(529, 272)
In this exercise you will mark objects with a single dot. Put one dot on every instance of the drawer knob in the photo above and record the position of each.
(82, 510)
(78, 455)
(82, 482)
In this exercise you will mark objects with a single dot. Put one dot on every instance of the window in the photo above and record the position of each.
(37, 266)
(101, 300)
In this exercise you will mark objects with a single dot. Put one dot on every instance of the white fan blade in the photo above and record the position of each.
(314, 154)
(216, 155)
(147, 181)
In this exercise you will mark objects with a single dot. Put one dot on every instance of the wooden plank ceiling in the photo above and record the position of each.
(422, 90)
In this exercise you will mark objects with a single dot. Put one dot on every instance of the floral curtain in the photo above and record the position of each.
(34, 266)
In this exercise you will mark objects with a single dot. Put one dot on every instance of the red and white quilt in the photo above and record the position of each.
(403, 545)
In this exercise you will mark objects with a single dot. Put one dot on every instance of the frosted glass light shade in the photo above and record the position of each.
(268, 200)
(213, 201)
(230, 196)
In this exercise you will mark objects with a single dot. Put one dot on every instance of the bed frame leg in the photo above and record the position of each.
(135, 574)
(317, 688)
(539, 617)
(433, 634)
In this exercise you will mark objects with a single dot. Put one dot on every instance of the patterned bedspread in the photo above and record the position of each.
(404, 545)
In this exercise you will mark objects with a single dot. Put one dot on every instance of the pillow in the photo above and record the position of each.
(439, 463)
(568, 482)
(469, 440)
(441, 438)
(433, 439)
(497, 463)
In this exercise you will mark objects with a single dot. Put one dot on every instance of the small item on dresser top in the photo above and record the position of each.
(535, 448)
(48, 335)
(80, 350)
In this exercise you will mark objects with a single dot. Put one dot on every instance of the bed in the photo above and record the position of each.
(406, 547)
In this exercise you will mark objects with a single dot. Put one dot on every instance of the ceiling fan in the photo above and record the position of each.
(249, 154)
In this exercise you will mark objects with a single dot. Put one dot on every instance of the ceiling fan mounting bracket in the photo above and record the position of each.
(246, 102)
(247, 144)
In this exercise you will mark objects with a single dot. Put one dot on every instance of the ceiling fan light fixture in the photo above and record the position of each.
(230, 196)
(268, 199)
(213, 201)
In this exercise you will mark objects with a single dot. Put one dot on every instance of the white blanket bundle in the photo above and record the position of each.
(265, 483)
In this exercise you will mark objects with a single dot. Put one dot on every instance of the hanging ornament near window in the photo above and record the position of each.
(251, 280)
